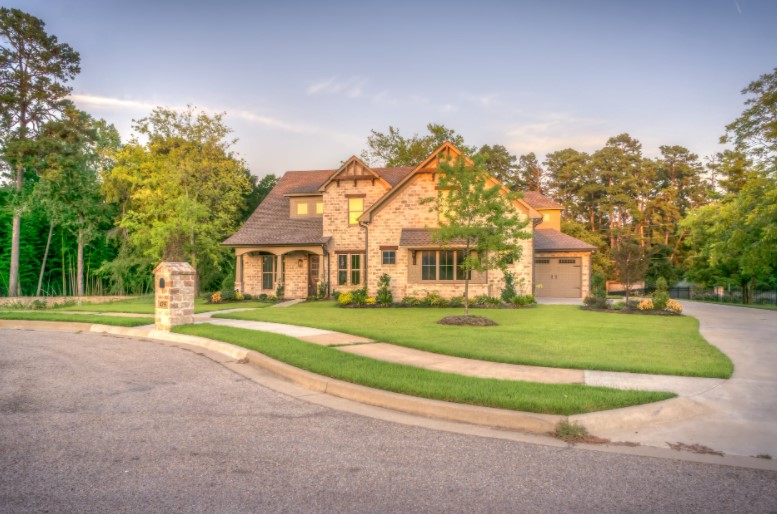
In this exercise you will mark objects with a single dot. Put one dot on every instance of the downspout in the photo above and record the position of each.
(535, 222)
(328, 270)
(365, 226)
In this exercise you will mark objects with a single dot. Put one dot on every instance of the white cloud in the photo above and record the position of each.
(352, 87)
(556, 131)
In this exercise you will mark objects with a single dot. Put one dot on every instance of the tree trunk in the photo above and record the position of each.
(45, 257)
(80, 263)
(13, 279)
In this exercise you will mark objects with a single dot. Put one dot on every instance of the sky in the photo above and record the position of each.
(303, 83)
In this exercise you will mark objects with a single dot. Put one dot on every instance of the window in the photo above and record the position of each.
(567, 261)
(356, 269)
(446, 265)
(307, 207)
(349, 266)
(389, 257)
(355, 209)
(268, 271)
(443, 265)
(541, 261)
(342, 270)
(428, 265)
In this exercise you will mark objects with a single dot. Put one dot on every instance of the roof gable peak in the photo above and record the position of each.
(446, 152)
(354, 169)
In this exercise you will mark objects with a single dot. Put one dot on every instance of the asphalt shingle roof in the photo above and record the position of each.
(421, 237)
(548, 239)
(540, 201)
(271, 224)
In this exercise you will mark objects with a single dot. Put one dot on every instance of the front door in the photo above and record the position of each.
(313, 274)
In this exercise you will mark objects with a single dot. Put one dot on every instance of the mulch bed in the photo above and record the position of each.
(468, 321)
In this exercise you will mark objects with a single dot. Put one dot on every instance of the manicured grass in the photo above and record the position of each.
(119, 321)
(145, 305)
(565, 399)
(559, 336)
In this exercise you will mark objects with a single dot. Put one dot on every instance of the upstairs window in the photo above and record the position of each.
(355, 209)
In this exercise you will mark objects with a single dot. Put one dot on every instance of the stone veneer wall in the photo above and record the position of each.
(296, 285)
(344, 235)
(405, 211)
(585, 259)
(174, 303)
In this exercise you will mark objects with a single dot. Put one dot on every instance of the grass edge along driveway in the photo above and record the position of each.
(557, 336)
(145, 305)
(564, 399)
(100, 319)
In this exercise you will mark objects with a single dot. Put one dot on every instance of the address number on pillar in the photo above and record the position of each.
(162, 304)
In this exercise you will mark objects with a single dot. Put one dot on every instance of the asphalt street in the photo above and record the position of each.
(98, 423)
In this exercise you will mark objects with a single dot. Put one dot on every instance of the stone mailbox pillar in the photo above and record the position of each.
(174, 294)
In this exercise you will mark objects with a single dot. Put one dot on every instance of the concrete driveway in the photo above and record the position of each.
(98, 423)
(741, 417)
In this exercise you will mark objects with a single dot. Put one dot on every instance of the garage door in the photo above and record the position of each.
(561, 277)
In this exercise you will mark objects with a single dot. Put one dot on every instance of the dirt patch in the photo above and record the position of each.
(694, 448)
(468, 321)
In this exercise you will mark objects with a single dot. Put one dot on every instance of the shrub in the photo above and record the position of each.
(645, 305)
(323, 287)
(247, 296)
(215, 297)
(263, 297)
(508, 293)
(618, 306)
(674, 306)
(227, 295)
(410, 301)
(359, 296)
(384, 290)
(239, 295)
(369, 300)
(522, 300)
(456, 301)
(596, 302)
(661, 296)
(487, 301)
(345, 298)
(598, 285)
(434, 299)
(280, 290)
(38, 305)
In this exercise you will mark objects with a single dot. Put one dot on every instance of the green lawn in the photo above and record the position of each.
(145, 305)
(120, 321)
(561, 336)
(565, 399)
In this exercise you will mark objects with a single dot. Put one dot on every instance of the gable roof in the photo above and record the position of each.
(270, 223)
(548, 239)
(353, 168)
(540, 201)
(429, 165)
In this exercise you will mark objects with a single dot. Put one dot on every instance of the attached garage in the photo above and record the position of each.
(562, 265)
(559, 277)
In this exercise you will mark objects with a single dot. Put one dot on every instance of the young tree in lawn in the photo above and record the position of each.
(630, 262)
(33, 69)
(479, 215)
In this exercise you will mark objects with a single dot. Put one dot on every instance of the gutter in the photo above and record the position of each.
(365, 226)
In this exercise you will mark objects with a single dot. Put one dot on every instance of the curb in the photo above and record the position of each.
(675, 409)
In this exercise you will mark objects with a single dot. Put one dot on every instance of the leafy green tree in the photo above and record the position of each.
(502, 165)
(259, 191)
(630, 262)
(570, 182)
(531, 172)
(392, 149)
(480, 214)
(754, 133)
(180, 193)
(34, 67)
(73, 153)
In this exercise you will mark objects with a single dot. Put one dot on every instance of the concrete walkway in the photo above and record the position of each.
(683, 386)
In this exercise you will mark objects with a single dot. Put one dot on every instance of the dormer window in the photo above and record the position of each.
(306, 206)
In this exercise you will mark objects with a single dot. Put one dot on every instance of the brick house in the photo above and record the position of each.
(342, 229)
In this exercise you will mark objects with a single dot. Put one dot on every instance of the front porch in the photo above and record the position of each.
(300, 270)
